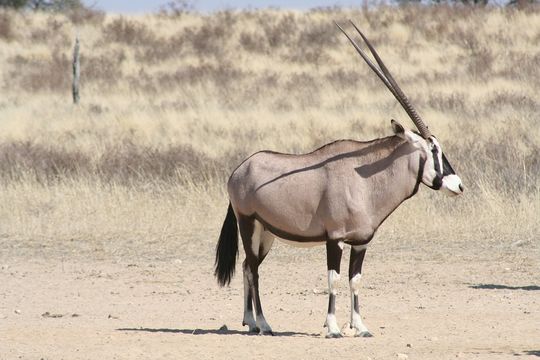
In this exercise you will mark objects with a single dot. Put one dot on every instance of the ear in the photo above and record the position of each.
(397, 127)
(408, 135)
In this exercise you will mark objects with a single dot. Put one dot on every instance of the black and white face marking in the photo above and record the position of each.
(451, 182)
(438, 173)
(436, 159)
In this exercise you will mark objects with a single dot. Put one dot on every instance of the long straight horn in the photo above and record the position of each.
(384, 74)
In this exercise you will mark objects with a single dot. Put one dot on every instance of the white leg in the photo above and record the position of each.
(255, 253)
(356, 321)
(263, 326)
(249, 319)
(331, 321)
(266, 241)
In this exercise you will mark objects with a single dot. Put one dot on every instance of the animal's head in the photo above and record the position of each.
(437, 172)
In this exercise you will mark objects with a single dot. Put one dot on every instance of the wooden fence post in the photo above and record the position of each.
(76, 72)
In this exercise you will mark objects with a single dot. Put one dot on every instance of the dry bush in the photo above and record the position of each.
(209, 39)
(86, 15)
(279, 32)
(307, 54)
(443, 20)
(253, 42)
(522, 66)
(129, 163)
(142, 83)
(479, 63)
(319, 35)
(341, 78)
(455, 102)
(260, 86)
(129, 32)
(176, 8)
(312, 43)
(126, 164)
(44, 164)
(53, 32)
(162, 50)
(6, 26)
(104, 68)
(516, 101)
(221, 75)
(39, 74)
(504, 167)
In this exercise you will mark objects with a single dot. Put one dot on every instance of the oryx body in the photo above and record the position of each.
(342, 191)
(338, 194)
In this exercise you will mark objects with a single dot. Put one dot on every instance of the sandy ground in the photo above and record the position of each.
(417, 307)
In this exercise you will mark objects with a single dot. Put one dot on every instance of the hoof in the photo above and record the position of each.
(363, 334)
(334, 335)
(266, 332)
(252, 329)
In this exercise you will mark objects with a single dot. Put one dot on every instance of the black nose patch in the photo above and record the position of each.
(437, 182)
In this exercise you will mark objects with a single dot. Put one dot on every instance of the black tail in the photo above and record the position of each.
(227, 249)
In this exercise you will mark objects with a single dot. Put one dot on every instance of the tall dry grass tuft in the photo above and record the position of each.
(170, 105)
(6, 25)
(41, 74)
(128, 32)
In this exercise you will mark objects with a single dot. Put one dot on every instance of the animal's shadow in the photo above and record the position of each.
(214, 332)
(505, 287)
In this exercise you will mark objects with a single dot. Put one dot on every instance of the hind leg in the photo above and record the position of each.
(249, 318)
(266, 241)
(256, 243)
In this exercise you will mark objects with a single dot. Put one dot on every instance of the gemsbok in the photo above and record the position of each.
(338, 194)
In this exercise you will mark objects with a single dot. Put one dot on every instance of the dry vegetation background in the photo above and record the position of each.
(171, 104)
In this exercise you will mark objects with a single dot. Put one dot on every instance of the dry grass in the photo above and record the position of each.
(170, 105)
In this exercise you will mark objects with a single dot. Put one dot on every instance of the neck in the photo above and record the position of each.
(395, 177)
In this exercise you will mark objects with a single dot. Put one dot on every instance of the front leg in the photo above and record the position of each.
(355, 273)
(334, 249)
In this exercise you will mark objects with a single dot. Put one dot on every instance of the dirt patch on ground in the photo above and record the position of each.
(416, 309)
